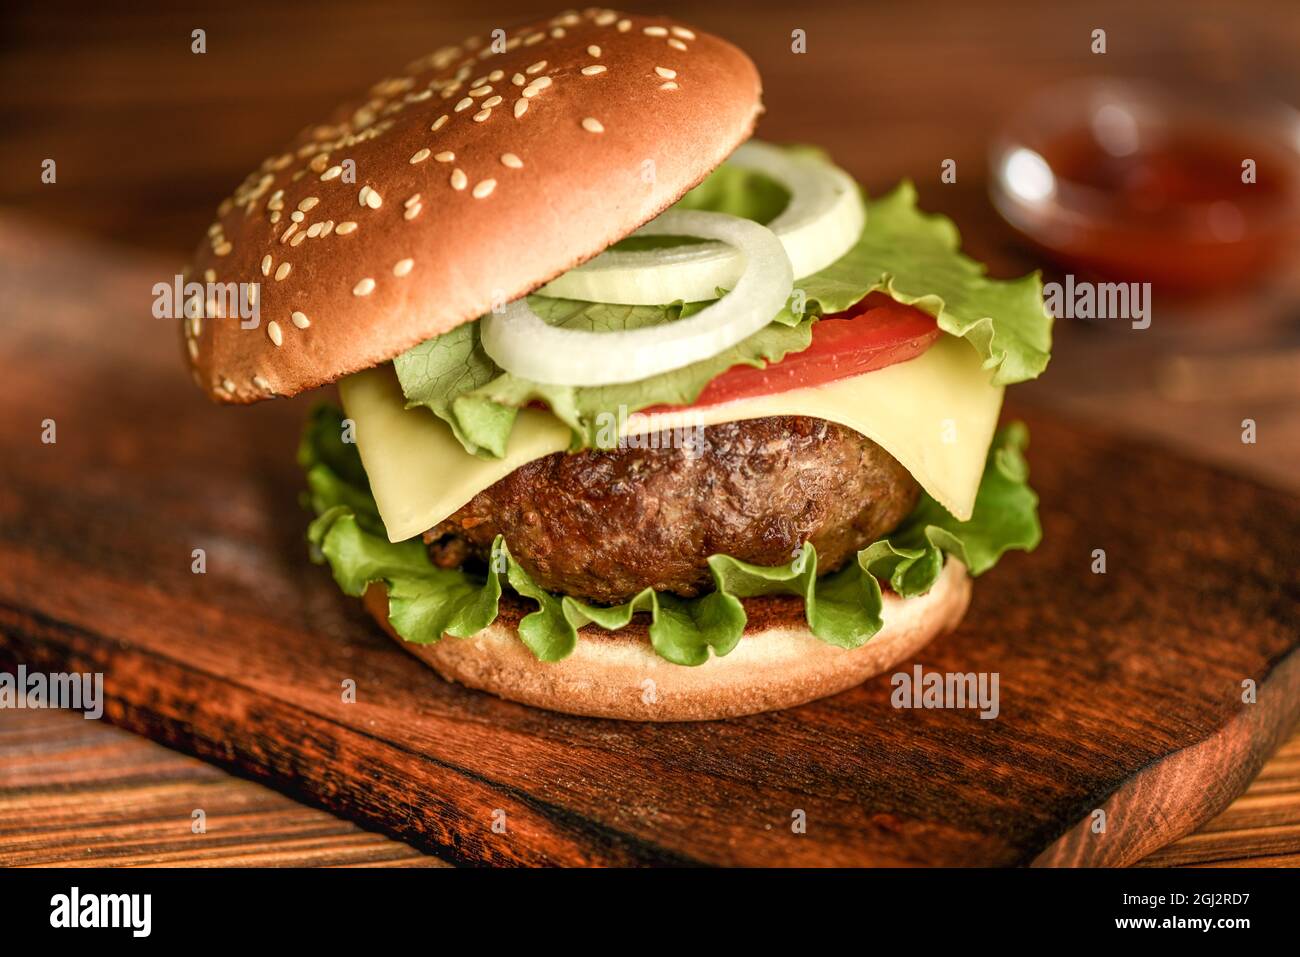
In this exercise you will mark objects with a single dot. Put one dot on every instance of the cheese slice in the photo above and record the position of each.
(935, 414)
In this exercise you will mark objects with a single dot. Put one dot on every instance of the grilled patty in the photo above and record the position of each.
(603, 525)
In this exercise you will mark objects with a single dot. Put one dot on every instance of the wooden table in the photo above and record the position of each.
(900, 88)
(76, 792)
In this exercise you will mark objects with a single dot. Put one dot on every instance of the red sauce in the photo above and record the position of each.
(1174, 211)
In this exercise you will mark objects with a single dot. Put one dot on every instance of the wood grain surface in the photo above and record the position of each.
(148, 137)
(1119, 691)
(79, 793)
(82, 793)
(1259, 829)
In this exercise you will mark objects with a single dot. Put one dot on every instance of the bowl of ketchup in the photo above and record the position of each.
(1137, 182)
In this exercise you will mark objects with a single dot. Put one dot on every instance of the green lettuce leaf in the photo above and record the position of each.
(481, 416)
(426, 603)
(907, 254)
(915, 258)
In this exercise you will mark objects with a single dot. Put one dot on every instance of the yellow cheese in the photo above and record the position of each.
(935, 414)
(419, 473)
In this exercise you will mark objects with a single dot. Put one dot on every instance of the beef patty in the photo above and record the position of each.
(603, 525)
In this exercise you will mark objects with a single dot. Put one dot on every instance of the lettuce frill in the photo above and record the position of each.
(843, 608)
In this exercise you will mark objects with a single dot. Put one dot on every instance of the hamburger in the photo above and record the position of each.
(638, 416)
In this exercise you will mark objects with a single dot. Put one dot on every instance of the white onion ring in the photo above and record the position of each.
(522, 343)
(820, 223)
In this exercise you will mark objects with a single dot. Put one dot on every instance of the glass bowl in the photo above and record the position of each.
(1134, 181)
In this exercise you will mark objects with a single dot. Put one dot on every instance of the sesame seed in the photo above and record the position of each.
(495, 75)
(683, 33)
(284, 236)
(361, 196)
(275, 217)
(482, 115)
(364, 288)
(521, 107)
(480, 91)
(490, 102)
(222, 249)
(261, 383)
(420, 155)
(624, 26)
(458, 179)
(345, 227)
(412, 211)
(666, 73)
(414, 198)
(214, 229)
(537, 67)
(446, 156)
(531, 91)
(511, 160)
(655, 31)
(332, 173)
(592, 70)
(670, 85)
(517, 79)
(193, 347)
(227, 385)
(594, 50)
(281, 271)
(300, 320)
(541, 83)
(308, 204)
(484, 188)
(266, 265)
(677, 44)
(605, 18)
(209, 275)
(297, 215)
(592, 125)
(273, 332)
(298, 240)
(374, 200)
(327, 228)
(439, 123)
(534, 38)
(464, 104)
(558, 33)
(402, 267)
(315, 229)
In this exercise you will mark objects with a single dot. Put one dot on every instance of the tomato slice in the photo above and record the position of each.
(873, 333)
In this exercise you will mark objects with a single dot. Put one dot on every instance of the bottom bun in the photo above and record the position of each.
(778, 663)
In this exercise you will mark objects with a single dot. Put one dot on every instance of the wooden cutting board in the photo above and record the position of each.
(1120, 692)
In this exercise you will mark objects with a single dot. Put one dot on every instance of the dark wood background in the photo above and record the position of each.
(148, 137)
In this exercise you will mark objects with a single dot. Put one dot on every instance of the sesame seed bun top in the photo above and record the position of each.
(482, 171)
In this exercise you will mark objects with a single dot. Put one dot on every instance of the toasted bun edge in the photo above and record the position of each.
(777, 664)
